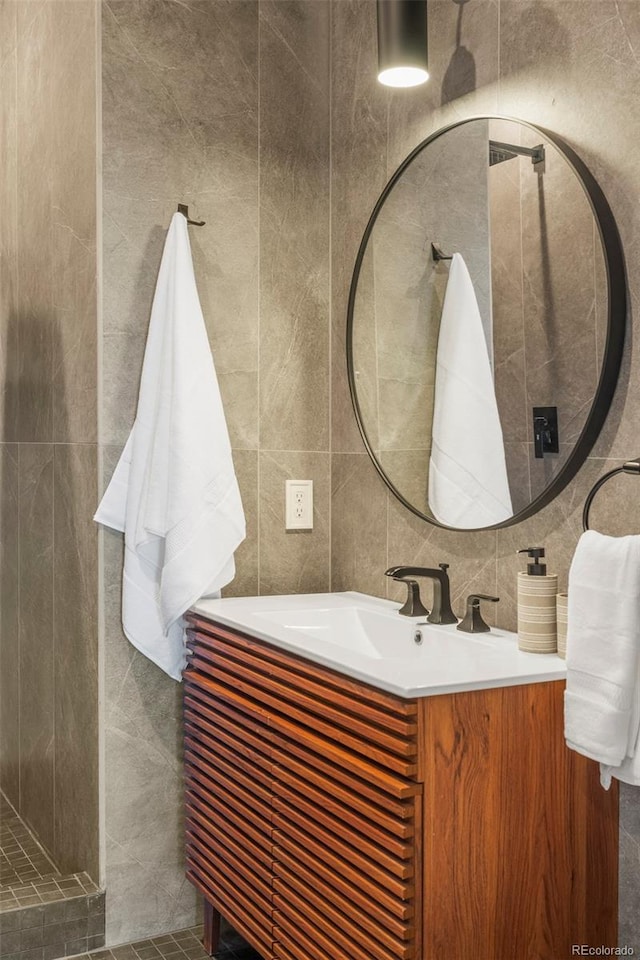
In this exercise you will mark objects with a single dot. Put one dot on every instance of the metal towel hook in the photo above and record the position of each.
(437, 254)
(184, 210)
(631, 466)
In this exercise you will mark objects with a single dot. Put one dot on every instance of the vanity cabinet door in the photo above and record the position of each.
(346, 861)
(333, 764)
(228, 807)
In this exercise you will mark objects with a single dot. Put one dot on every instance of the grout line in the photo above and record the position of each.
(54, 836)
(18, 405)
(259, 310)
(330, 294)
(101, 612)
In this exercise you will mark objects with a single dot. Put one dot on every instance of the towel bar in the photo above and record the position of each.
(631, 466)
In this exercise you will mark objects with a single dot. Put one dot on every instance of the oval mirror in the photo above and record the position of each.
(486, 323)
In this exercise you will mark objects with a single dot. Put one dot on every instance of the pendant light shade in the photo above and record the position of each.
(402, 42)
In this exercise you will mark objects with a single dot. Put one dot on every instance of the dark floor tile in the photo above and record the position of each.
(35, 954)
(124, 952)
(76, 946)
(76, 908)
(31, 937)
(11, 942)
(192, 952)
(51, 951)
(9, 921)
(30, 917)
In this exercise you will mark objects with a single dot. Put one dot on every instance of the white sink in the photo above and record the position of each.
(370, 632)
(366, 638)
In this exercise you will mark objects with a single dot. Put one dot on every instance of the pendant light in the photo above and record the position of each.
(402, 42)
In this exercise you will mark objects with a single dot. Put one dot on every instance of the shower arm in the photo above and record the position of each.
(536, 153)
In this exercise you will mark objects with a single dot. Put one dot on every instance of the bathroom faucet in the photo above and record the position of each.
(442, 612)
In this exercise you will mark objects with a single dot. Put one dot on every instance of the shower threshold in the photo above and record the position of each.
(43, 913)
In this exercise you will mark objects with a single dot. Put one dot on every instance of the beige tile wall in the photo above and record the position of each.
(224, 106)
(48, 424)
(566, 64)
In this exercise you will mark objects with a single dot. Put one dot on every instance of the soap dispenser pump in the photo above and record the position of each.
(534, 567)
(537, 630)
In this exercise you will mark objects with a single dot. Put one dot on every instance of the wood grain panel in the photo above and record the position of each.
(373, 764)
(280, 683)
(228, 848)
(386, 749)
(394, 915)
(347, 819)
(356, 942)
(226, 871)
(305, 668)
(363, 853)
(286, 949)
(344, 914)
(256, 812)
(395, 896)
(200, 699)
(256, 930)
(349, 810)
(245, 759)
(397, 782)
(506, 830)
(298, 944)
(215, 766)
(252, 834)
(353, 708)
(247, 746)
(384, 790)
(319, 781)
(312, 939)
(247, 712)
(340, 855)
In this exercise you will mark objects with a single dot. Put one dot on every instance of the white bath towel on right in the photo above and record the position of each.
(602, 699)
(468, 483)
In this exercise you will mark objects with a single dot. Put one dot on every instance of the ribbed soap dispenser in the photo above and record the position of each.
(537, 631)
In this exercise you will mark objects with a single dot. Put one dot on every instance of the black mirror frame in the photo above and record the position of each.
(616, 324)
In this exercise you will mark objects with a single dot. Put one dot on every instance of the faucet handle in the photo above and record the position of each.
(444, 566)
(413, 605)
(473, 622)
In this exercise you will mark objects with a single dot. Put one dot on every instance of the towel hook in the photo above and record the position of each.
(437, 254)
(631, 466)
(184, 210)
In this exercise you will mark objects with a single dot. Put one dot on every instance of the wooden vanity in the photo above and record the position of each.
(327, 819)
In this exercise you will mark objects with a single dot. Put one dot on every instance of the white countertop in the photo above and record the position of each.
(366, 638)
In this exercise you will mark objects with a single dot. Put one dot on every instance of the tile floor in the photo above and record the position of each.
(22, 859)
(43, 914)
(183, 945)
(48, 890)
(27, 876)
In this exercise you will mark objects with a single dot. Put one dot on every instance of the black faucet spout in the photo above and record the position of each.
(441, 612)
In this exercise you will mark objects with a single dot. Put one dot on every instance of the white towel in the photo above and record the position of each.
(174, 492)
(602, 710)
(468, 483)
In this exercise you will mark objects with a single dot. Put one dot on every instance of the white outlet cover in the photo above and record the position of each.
(299, 504)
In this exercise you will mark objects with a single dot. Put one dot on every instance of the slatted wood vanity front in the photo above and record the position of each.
(329, 820)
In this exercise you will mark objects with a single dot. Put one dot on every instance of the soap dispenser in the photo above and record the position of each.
(537, 631)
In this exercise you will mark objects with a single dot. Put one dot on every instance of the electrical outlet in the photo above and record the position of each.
(299, 504)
